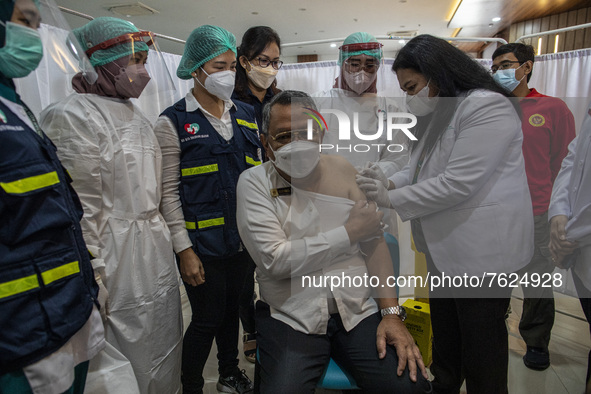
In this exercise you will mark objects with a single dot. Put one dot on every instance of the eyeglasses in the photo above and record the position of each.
(286, 137)
(354, 66)
(505, 65)
(265, 63)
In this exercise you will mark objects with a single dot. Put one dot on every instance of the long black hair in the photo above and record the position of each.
(254, 41)
(452, 71)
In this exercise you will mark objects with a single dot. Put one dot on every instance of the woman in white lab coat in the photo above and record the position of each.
(110, 150)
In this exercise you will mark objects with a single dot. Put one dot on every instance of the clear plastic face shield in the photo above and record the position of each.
(143, 71)
(360, 65)
(59, 45)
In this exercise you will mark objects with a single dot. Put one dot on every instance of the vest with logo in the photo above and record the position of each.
(47, 286)
(209, 169)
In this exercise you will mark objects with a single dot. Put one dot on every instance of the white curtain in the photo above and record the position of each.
(566, 75)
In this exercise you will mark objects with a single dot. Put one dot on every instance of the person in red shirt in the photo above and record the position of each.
(548, 127)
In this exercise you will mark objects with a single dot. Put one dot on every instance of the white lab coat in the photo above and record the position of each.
(109, 148)
(472, 195)
(571, 196)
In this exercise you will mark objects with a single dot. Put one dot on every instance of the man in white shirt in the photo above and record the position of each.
(307, 225)
(570, 218)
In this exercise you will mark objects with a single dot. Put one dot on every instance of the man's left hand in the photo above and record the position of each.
(392, 331)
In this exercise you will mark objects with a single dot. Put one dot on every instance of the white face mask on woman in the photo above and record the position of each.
(297, 159)
(421, 104)
(262, 77)
(220, 84)
(360, 80)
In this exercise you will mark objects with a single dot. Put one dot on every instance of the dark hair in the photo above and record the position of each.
(254, 41)
(285, 98)
(522, 53)
(452, 71)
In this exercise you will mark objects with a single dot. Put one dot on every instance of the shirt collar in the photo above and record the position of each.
(193, 105)
(534, 93)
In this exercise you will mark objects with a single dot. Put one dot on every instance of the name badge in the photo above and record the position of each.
(282, 191)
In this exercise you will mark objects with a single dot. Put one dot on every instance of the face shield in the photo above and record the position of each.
(360, 64)
(136, 62)
(59, 44)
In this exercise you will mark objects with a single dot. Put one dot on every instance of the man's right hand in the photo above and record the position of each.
(364, 222)
(191, 267)
(559, 246)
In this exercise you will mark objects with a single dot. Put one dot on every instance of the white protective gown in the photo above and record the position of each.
(109, 148)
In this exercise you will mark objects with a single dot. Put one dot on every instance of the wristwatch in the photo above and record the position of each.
(395, 310)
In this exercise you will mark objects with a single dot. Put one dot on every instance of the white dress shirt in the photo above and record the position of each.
(571, 196)
(300, 233)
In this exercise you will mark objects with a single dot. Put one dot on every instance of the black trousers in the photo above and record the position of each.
(214, 308)
(247, 298)
(293, 362)
(585, 300)
(470, 341)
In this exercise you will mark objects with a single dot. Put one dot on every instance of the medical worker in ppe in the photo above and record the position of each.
(207, 140)
(50, 325)
(355, 91)
(111, 152)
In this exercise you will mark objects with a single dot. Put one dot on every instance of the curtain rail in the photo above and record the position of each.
(545, 33)
(405, 38)
(85, 16)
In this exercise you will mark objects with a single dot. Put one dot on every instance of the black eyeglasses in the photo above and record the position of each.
(265, 63)
(505, 65)
(286, 137)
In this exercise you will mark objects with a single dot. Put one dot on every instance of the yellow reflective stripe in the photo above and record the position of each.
(252, 161)
(199, 170)
(211, 222)
(17, 286)
(242, 122)
(205, 223)
(60, 272)
(31, 183)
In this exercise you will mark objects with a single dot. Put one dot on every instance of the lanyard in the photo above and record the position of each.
(419, 165)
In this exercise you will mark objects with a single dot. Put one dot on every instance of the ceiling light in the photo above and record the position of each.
(496, 19)
(401, 42)
(134, 9)
(333, 45)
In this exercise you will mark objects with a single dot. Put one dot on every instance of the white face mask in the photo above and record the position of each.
(359, 81)
(297, 159)
(421, 104)
(220, 84)
(262, 77)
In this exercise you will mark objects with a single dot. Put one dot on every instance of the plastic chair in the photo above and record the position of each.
(336, 378)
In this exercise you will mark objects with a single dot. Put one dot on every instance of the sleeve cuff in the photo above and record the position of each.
(399, 179)
(181, 241)
(338, 239)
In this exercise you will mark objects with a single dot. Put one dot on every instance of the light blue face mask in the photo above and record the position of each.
(506, 78)
(22, 51)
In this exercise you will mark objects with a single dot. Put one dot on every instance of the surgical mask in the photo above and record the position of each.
(421, 104)
(297, 159)
(359, 81)
(220, 84)
(262, 77)
(506, 78)
(22, 52)
(132, 80)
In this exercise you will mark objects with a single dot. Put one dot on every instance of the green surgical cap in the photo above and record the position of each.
(102, 29)
(204, 43)
(359, 38)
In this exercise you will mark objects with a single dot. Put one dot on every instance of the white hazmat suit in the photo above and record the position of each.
(110, 150)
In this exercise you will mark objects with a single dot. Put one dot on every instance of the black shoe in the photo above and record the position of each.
(237, 383)
(536, 358)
